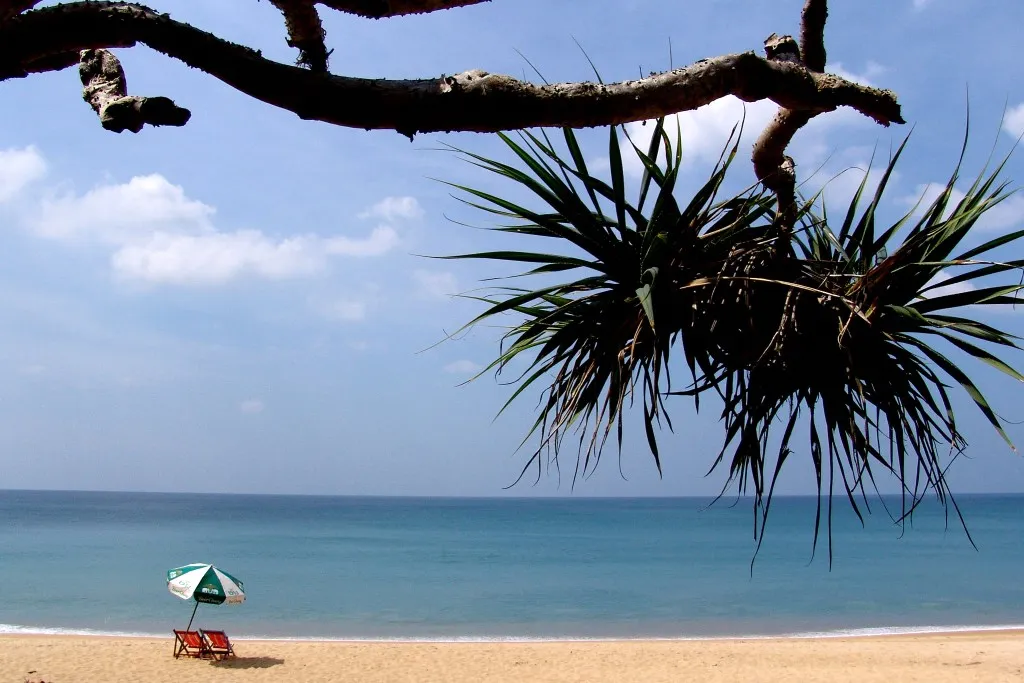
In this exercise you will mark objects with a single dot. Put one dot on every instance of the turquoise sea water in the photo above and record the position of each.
(408, 568)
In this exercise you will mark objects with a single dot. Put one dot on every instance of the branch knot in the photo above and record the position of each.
(782, 49)
(105, 88)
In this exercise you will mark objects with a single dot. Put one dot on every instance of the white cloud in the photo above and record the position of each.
(347, 305)
(251, 406)
(839, 185)
(463, 367)
(703, 132)
(381, 240)
(19, 168)
(345, 309)
(115, 214)
(1007, 214)
(394, 208)
(157, 234)
(435, 285)
(925, 195)
(599, 165)
(1014, 121)
(215, 258)
(955, 288)
(921, 4)
(841, 174)
(871, 71)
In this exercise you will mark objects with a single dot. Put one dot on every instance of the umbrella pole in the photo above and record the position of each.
(189, 627)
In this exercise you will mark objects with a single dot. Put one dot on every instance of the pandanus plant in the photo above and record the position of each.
(832, 323)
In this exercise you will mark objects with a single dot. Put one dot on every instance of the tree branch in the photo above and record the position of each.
(373, 9)
(773, 168)
(10, 8)
(782, 49)
(812, 34)
(379, 9)
(305, 32)
(469, 101)
(106, 89)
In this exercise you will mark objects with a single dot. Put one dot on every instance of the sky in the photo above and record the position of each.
(245, 304)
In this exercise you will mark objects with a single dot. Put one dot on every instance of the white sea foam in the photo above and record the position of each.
(902, 631)
(15, 629)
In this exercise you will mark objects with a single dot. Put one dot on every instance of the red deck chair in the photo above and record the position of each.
(217, 644)
(189, 644)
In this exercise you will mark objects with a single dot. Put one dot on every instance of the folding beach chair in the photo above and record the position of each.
(217, 644)
(189, 644)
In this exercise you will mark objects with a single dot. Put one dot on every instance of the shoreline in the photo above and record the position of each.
(989, 656)
(9, 630)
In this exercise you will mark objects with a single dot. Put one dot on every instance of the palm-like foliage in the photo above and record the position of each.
(779, 323)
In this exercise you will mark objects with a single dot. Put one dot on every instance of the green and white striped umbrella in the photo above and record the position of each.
(204, 583)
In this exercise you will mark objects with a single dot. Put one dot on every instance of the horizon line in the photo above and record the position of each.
(475, 496)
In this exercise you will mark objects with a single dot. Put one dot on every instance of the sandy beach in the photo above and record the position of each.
(979, 656)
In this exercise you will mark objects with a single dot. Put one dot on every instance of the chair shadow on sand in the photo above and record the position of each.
(248, 662)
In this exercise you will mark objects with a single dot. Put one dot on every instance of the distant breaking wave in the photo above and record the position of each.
(900, 631)
(16, 629)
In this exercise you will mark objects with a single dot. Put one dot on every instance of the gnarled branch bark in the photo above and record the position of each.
(372, 9)
(106, 90)
(469, 101)
(771, 165)
(9, 8)
(379, 9)
(791, 75)
(812, 34)
(305, 32)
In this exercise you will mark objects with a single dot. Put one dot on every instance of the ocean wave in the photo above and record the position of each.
(903, 631)
(17, 629)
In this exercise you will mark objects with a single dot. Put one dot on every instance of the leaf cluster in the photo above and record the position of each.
(828, 325)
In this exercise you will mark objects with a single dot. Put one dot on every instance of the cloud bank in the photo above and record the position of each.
(157, 234)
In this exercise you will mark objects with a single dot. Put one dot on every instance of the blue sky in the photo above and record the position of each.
(255, 315)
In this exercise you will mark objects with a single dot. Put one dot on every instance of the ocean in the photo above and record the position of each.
(356, 568)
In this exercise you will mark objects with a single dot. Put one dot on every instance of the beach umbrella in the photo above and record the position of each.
(204, 583)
